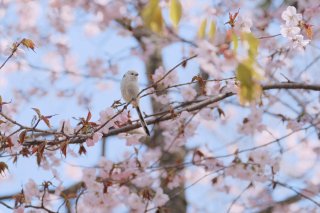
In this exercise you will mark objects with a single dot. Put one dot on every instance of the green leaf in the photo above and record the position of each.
(202, 29)
(152, 16)
(212, 30)
(250, 89)
(253, 45)
(175, 12)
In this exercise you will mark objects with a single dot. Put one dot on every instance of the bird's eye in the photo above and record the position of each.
(131, 73)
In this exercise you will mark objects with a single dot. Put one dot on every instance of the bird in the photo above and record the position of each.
(130, 92)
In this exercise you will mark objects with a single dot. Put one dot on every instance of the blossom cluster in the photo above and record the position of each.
(292, 28)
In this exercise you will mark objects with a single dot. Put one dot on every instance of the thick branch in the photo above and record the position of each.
(212, 100)
(167, 115)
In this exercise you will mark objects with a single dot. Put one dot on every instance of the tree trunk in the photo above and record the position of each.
(178, 202)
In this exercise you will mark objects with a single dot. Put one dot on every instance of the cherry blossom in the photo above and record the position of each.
(292, 28)
(289, 31)
(135, 202)
(62, 115)
(298, 42)
(95, 138)
(245, 24)
(160, 198)
(31, 190)
(188, 93)
(291, 16)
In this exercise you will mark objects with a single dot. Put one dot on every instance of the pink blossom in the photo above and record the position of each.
(20, 209)
(298, 42)
(95, 138)
(188, 93)
(133, 139)
(294, 125)
(143, 180)
(91, 29)
(169, 80)
(163, 99)
(31, 190)
(289, 31)
(206, 114)
(160, 198)
(135, 202)
(212, 164)
(262, 157)
(176, 181)
(244, 23)
(89, 175)
(291, 16)
(106, 116)
(67, 129)
(105, 167)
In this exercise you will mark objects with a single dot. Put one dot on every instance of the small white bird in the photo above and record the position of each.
(130, 91)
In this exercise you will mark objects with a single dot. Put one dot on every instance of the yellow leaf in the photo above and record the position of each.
(250, 89)
(253, 45)
(235, 41)
(28, 43)
(212, 30)
(202, 29)
(175, 12)
(152, 16)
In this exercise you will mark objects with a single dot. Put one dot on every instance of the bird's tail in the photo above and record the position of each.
(142, 121)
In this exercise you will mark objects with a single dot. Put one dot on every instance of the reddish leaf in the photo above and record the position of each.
(9, 142)
(184, 63)
(202, 83)
(232, 18)
(197, 155)
(15, 159)
(22, 136)
(308, 29)
(88, 116)
(40, 152)
(46, 185)
(116, 104)
(221, 112)
(194, 78)
(19, 198)
(93, 124)
(34, 149)
(106, 185)
(38, 112)
(62, 128)
(28, 43)
(63, 147)
(214, 180)
(46, 120)
(25, 152)
(147, 194)
(3, 167)
(82, 150)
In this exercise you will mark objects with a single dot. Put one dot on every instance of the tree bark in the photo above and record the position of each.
(178, 202)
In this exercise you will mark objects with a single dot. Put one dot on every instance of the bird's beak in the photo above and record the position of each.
(137, 74)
